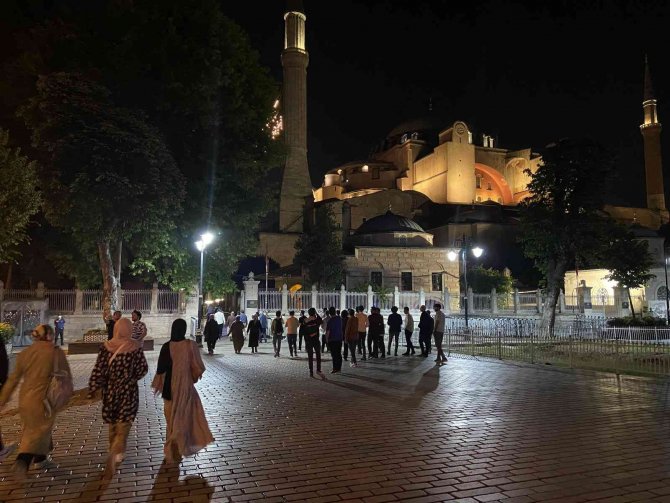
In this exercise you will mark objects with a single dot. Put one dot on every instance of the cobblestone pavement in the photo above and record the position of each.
(394, 429)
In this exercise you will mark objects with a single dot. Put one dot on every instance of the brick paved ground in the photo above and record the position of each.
(399, 429)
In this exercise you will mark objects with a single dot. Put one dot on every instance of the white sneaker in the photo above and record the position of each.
(6, 451)
(352, 365)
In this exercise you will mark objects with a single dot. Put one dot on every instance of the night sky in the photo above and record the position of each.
(525, 72)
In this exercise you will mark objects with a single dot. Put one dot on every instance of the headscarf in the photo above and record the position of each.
(43, 333)
(178, 331)
(122, 342)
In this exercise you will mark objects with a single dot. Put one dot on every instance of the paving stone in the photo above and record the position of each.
(400, 429)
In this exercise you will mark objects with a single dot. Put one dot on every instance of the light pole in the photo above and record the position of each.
(204, 241)
(667, 300)
(463, 254)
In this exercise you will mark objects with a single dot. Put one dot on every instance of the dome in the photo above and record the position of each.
(418, 125)
(388, 222)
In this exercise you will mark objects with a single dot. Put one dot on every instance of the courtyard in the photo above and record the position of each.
(390, 430)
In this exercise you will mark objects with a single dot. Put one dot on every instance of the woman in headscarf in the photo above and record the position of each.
(179, 367)
(237, 334)
(211, 333)
(34, 365)
(254, 331)
(120, 364)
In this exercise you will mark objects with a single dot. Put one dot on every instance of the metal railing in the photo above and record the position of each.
(14, 294)
(481, 302)
(91, 301)
(585, 343)
(61, 301)
(168, 302)
(408, 299)
(299, 301)
(270, 300)
(327, 299)
(354, 299)
(135, 299)
(383, 302)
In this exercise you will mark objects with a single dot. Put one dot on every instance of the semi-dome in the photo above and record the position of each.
(388, 222)
(390, 229)
(428, 123)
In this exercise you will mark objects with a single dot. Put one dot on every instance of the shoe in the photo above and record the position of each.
(355, 365)
(396, 354)
(383, 357)
(413, 352)
(405, 354)
(334, 371)
(311, 374)
(321, 375)
(352, 364)
(438, 359)
(6, 451)
(444, 358)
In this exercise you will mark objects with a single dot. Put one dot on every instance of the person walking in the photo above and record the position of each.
(301, 329)
(237, 335)
(264, 326)
(139, 327)
(220, 320)
(292, 333)
(253, 332)
(120, 364)
(376, 334)
(438, 333)
(395, 324)
(312, 343)
(211, 333)
(324, 328)
(230, 320)
(409, 330)
(277, 329)
(110, 324)
(179, 367)
(334, 337)
(362, 319)
(34, 365)
(243, 318)
(351, 336)
(425, 331)
(59, 325)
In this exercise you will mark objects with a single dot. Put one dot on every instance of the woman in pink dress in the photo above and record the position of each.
(179, 367)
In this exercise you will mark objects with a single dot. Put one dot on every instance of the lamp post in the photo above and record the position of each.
(204, 241)
(667, 300)
(477, 252)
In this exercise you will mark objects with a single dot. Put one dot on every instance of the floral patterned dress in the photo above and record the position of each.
(118, 381)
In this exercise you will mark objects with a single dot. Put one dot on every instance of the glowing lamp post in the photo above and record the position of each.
(463, 253)
(204, 241)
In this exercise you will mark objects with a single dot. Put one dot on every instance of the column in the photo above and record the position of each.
(250, 295)
(78, 301)
(471, 301)
(154, 298)
(621, 301)
(446, 299)
(494, 301)
(516, 300)
(561, 301)
(370, 298)
(396, 296)
(40, 291)
(343, 297)
(284, 299)
(315, 296)
(584, 299)
(422, 297)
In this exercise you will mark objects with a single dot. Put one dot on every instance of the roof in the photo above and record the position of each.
(425, 123)
(388, 222)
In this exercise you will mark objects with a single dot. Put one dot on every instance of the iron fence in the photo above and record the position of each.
(270, 300)
(61, 301)
(168, 302)
(299, 301)
(91, 301)
(16, 294)
(135, 299)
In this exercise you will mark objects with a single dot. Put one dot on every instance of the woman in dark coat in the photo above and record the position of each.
(237, 334)
(211, 333)
(253, 331)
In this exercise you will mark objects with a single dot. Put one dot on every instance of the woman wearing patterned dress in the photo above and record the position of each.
(179, 367)
(120, 364)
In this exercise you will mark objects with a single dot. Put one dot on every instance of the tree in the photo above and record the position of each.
(319, 251)
(628, 260)
(483, 280)
(20, 197)
(562, 220)
(111, 172)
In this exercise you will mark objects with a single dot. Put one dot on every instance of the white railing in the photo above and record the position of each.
(409, 299)
(168, 302)
(481, 302)
(61, 301)
(355, 299)
(325, 300)
(527, 301)
(383, 302)
(299, 301)
(270, 300)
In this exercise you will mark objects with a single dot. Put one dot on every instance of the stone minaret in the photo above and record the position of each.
(651, 134)
(296, 185)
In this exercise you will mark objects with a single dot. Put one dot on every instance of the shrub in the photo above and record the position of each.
(629, 321)
(6, 332)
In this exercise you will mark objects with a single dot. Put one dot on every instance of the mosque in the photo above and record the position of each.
(424, 189)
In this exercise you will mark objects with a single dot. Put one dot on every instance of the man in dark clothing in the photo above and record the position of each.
(376, 333)
(312, 343)
(334, 336)
(395, 324)
(59, 326)
(301, 329)
(110, 324)
(211, 333)
(425, 331)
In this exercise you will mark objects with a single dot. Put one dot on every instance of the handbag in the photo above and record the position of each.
(60, 388)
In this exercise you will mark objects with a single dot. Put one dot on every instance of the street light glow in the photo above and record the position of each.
(200, 245)
(452, 255)
(477, 251)
(207, 238)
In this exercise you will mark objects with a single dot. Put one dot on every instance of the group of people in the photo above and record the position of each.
(342, 333)
(119, 366)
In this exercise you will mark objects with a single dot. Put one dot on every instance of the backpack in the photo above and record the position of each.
(60, 388)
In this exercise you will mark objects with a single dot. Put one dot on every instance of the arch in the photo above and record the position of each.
(661, 292)
(498, 180)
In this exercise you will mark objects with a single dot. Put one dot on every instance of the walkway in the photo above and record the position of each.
(394, 429)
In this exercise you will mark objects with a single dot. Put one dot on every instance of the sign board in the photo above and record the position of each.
(252, 304)
(625, 305)
(588, 305)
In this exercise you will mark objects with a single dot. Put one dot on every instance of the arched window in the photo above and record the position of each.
(661, 293)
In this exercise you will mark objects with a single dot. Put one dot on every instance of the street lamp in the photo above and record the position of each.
(204, 241)
(477, 252)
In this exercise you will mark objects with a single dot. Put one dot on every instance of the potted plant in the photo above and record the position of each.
(6, 335)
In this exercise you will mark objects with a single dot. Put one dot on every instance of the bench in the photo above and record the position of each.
(91, 345)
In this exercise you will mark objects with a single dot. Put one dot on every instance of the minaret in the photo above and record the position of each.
(296, 185)
(651, 134)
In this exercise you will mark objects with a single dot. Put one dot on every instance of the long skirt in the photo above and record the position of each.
(253, 339)
(238, 342)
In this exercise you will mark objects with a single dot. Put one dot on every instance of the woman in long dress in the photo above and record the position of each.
(179, 367)
(120, 364)
(254, 331)
(237, 334)
(34, 365)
